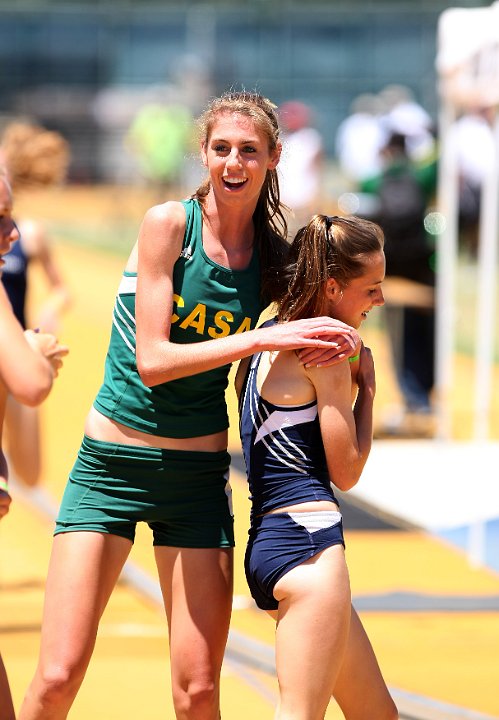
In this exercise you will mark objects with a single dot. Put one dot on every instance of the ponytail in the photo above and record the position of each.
(328, 247)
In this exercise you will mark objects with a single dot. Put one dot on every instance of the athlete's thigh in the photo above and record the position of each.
(197, 589)
(360, 689)
(312, 629)
(84, 568)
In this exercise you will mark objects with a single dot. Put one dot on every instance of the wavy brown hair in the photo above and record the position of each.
(33, 155)
(328, 247)
(269, 221)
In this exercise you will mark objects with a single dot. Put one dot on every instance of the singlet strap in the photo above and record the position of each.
(193, 226)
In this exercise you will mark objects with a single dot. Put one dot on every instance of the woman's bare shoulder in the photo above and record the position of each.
(162, 232)
(171, 212)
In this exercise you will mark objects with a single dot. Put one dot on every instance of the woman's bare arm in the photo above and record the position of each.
(158, 359)
(29, 361)
(346, 432)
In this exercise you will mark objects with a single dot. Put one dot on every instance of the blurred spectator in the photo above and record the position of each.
(403, 190)
(113, 110)
(160, 137)
(34, 158)
(403, 115)
(473, 136)
(188, 85)
(300, 167)
(360, 138)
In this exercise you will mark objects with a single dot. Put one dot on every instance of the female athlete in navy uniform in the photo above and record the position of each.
(301, 438)
(155, 444)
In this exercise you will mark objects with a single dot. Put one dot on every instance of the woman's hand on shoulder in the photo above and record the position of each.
(323, 341)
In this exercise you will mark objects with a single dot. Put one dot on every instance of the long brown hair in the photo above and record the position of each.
(328, 247)
(269, 221)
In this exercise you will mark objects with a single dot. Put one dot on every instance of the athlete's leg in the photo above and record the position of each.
(83, 570)
(6, 705)
(22, 426)
(197, 591)
(360, 689)
(312, 631)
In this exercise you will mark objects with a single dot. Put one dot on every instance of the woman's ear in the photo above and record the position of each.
(333, 290)
(204, 156)
(275, 156)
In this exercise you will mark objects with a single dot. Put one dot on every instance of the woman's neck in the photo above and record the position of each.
(231, 227)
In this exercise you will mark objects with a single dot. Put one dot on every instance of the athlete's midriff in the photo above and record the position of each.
(99, 427)
(312, 506)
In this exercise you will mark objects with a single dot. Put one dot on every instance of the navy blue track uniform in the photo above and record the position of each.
(286, 465)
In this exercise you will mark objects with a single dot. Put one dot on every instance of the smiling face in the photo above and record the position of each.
(352, 302)
(8, 229)
(238, 156)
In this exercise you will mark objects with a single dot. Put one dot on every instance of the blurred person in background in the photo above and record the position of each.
(34, 158)
(158, 144)
(29, 362)
(473, 136)
(403, 115)
(301, 164)
(160, 137)
(155, 442)
(402, 192)
(360, 138)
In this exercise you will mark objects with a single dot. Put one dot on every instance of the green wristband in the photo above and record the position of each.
(354, 358)
(4, 486)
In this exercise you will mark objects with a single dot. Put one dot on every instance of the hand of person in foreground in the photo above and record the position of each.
(48, 346)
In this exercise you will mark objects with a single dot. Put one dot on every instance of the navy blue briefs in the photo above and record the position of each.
(279, 542)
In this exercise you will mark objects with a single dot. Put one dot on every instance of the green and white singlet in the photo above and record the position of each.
(210, 301)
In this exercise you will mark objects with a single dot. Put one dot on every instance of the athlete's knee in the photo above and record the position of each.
(56, 685)
(196, 700)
